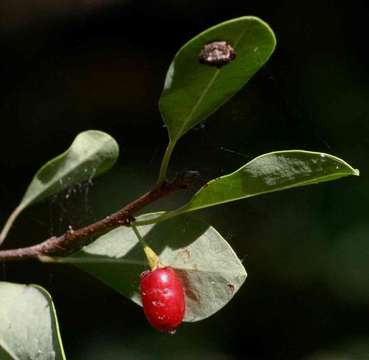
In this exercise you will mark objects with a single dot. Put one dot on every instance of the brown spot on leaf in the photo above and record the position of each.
(184, 254)
(231, 288)
(217, 53)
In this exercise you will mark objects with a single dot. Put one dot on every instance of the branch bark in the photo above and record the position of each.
(73, 240)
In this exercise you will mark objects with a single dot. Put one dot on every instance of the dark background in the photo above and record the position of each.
(74, 65)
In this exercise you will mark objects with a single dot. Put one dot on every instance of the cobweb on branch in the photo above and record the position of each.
(70, 209)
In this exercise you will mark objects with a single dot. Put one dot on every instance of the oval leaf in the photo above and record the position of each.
(91, 153)
(28, 324)
(275, 171)
(210, 270)
(192, 91)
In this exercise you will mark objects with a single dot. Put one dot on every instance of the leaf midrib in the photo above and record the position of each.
(205, 91)
(109, 260)
(187, 207)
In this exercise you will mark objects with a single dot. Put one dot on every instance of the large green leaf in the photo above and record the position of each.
(275, 171)
(28, 324)
(91, 153)
(193, 91)
(210, 270)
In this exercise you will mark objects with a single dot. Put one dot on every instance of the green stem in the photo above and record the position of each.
(165, 162)
(139, 237)
(9, 223)
(151, 256)
(160, 218)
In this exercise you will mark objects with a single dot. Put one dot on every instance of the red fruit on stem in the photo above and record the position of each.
(162, 298)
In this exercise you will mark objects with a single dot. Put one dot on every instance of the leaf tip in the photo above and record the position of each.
(267, 26)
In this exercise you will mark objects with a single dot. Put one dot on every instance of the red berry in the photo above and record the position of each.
(163, 298)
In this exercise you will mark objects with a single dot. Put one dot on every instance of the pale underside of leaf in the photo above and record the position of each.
(210, 270)
(28, 324)
(91, 153)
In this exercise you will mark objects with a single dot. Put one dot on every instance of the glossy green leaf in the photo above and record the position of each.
(28, 324)
(210, 270)
(91, 153)
(193, 91)
(275, 171)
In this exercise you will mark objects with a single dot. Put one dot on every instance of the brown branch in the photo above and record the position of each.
(74, 240)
